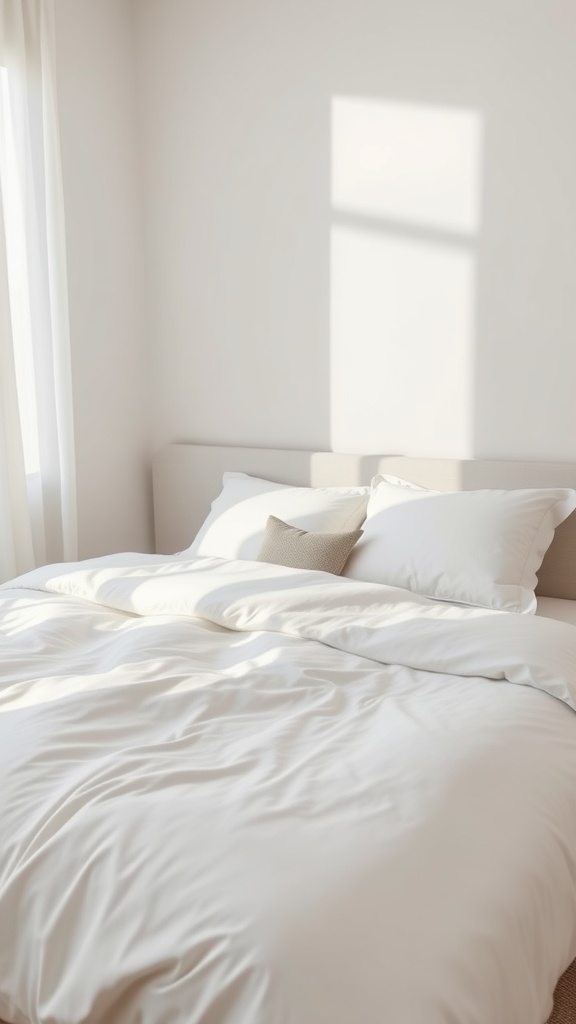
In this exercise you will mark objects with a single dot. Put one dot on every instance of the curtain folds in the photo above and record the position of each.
(37, 477)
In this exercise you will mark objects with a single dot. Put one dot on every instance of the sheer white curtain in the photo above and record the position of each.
(37, 483)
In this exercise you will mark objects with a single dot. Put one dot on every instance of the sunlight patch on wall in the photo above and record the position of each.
(406, 210)
(413, 164)
(402, 344)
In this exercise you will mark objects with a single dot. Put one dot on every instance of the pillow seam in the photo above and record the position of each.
(531, 548)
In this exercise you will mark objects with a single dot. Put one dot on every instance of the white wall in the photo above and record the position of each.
(324, 265)
(95, 62)
(315, 223)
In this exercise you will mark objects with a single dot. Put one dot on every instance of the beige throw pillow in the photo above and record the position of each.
(299, 549)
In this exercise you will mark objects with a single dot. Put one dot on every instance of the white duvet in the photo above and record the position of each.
(232, 793)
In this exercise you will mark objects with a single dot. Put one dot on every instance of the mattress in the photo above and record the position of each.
(243, 793)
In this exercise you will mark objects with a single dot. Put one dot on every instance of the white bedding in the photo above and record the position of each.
(234, 793)
(557, 608)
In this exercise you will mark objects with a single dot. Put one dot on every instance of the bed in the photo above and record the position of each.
(234, 791)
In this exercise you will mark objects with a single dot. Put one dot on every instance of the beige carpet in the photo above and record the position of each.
(564, 998)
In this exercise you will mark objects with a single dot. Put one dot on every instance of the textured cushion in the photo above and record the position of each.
(471, 547)
(235, 526)
(299, 549)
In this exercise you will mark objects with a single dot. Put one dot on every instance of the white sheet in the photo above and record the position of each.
(557, 608)
(221, 819)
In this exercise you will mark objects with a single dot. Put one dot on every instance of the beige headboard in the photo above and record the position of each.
(187, 477)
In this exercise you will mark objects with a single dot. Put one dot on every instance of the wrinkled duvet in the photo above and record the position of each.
(233, 793)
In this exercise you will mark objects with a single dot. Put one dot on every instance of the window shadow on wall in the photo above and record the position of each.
(406, 215)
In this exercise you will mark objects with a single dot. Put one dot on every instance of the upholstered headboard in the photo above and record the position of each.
(187, 477)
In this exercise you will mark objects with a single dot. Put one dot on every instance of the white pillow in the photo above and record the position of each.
(235, 526)
(470, 547)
